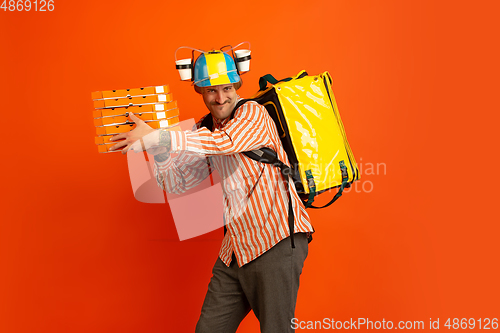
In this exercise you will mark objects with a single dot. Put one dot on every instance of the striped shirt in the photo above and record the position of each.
(255, 197)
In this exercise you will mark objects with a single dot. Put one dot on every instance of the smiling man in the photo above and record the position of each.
(257, 268)
(220, 100)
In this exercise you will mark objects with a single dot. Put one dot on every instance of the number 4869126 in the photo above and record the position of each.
(27, 5)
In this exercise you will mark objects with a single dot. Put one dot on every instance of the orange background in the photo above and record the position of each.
(417, 86)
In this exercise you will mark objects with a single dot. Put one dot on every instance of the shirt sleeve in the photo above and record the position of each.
(246, 131)
(181, 172)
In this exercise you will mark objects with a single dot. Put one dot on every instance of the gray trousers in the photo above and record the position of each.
(268, 285)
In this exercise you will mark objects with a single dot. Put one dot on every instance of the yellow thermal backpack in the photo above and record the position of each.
(309, 125)
(311, 131)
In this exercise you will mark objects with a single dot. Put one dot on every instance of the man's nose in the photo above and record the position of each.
(220, 98)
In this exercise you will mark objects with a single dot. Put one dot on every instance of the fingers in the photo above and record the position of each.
(125, 150)
(129, 147)
(134, 138)
(118, 145)
(118, 136)
(135, 119)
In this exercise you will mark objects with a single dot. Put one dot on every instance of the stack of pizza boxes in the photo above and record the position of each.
(154, 105)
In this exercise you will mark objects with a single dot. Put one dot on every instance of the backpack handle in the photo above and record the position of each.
(269, 78)
(265, 79)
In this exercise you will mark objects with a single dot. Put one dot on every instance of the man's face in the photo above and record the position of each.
(220, 100)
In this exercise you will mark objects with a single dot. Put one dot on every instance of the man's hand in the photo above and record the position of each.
(141, 132)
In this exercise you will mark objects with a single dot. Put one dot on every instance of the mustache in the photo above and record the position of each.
(218, 104)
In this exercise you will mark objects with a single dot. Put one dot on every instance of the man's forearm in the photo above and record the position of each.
(164, 141)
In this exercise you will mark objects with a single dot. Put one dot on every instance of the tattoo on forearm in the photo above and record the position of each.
(165, 140)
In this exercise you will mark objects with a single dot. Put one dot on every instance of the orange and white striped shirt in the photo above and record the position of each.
(255, 197)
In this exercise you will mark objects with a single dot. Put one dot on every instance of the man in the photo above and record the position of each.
(257, 268)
